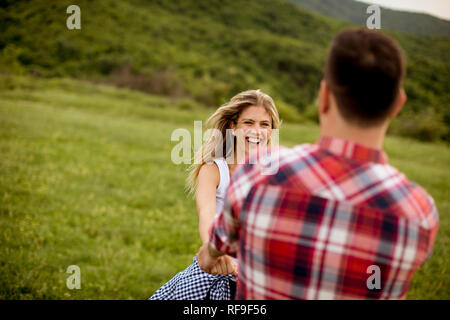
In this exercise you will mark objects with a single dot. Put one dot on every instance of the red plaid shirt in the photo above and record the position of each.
(317, 227)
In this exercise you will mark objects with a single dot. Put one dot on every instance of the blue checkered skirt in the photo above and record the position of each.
(195, 284)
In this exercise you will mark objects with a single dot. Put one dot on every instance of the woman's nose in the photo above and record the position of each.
(255, 130)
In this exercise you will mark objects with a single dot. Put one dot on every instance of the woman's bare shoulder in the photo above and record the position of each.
(209, 172)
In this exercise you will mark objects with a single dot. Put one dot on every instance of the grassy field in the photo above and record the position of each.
(86, 179)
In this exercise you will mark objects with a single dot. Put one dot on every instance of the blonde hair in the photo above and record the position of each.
(221, 121)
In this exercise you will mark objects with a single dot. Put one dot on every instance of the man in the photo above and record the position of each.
(336, 221)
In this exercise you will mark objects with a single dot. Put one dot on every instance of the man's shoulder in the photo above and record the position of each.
(411, 188)
(424, 200)
(282, 157)
(281, 154)
(406, 197)
(296, 153)
(300, 149)
(258, 168)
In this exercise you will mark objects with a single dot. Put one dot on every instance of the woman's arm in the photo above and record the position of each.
(208, 180)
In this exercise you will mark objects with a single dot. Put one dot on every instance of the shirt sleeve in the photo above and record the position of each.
(432, 222)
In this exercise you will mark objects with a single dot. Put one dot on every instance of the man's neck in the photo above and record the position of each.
(369, 137)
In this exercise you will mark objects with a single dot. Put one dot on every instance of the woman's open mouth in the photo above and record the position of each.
(252, 140)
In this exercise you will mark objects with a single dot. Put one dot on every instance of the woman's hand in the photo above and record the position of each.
(224, 265)
(205, 260)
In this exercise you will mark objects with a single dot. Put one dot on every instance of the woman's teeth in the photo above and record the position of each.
(253, 140)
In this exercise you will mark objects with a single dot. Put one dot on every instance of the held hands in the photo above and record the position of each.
(215, 265)
(224, 265)
(204, 260)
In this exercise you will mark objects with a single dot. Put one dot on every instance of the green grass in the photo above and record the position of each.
(86, 179)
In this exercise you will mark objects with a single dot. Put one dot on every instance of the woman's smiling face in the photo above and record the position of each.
(253, 128)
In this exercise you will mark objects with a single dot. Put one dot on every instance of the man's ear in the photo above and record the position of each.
(324, 97)
(399, 103)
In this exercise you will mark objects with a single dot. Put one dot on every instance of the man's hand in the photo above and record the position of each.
(224, 265)
(204, 259)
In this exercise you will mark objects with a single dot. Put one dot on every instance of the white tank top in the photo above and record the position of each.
(223, 184)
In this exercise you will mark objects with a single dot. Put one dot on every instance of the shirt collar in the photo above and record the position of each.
(352, 150)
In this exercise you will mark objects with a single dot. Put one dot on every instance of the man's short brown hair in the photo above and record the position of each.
(365, 70)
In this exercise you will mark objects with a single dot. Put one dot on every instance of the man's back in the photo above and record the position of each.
(332, 215)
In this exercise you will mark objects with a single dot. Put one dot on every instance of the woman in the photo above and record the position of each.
(240, 126)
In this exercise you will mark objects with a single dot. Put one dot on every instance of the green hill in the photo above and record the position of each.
(209, 52)
(86, 179)
(355, 12)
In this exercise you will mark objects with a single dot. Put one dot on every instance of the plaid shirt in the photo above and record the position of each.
(317, 227)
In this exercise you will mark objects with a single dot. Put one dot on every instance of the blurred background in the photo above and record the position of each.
(86, 117)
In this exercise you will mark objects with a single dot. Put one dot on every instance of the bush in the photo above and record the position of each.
(287, 112)
(186, 104)
(424, 126)
(311, 113)
(9, 61)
